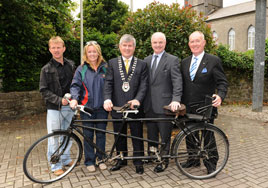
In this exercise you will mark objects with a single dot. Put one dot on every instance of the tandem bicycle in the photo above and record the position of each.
(193, 141)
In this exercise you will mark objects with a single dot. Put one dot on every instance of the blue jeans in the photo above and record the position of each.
(90, 154)
(58, 120)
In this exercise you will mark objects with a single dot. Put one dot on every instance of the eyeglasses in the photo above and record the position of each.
(91, 42)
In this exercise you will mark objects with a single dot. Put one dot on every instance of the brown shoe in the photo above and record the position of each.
(70, 164)
(58, 172)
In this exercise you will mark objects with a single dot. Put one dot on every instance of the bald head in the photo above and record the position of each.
(197, 42)
(158, 42)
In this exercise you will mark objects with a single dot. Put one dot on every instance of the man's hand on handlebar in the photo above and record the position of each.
(174, 105)
(64, 102)
(217, 101)
(134, 104)
(73, 104)
(108, 105)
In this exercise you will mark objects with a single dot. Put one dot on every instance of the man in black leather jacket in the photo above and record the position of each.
(55, 80)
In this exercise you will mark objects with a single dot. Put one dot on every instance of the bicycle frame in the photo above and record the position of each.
(178, 121)
(191, 146)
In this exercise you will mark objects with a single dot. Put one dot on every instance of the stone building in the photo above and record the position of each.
(233, 25)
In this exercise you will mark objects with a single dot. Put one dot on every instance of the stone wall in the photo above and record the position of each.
(241, 88)
(18, 104)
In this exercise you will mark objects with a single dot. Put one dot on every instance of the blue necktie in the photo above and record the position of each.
(193, 68)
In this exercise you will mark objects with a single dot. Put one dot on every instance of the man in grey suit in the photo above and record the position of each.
(165, 88)
(126, 81)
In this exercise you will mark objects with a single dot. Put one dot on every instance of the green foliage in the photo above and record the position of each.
(177, 24)
(106, 41)
(237, 61)
(72, 50)
(105, 15)
(240, 63)
(25, 28)
(102, 20)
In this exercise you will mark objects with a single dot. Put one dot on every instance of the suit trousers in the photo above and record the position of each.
(155, 128)
(136, 129)
(209, 144)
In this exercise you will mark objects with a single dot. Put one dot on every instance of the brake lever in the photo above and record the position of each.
(84, 109)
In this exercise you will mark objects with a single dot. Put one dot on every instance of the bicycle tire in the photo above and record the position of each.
(200, 156)
(36, 165)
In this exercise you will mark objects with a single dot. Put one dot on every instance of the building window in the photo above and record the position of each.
(231, 39)
(251, 37)
(215, 37)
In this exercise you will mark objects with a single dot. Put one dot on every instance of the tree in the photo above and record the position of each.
(102, 20)
(106, 16)
(25, 28)
(177, 24)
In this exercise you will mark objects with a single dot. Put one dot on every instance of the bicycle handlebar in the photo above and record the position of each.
(82, 108)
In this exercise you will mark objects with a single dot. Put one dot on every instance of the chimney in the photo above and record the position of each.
(205, 6)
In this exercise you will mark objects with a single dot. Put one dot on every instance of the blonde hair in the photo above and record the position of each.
(56, 39)
(98, 48)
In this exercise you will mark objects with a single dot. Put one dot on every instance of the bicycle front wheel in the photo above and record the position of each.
(64, 153)
(202, 153)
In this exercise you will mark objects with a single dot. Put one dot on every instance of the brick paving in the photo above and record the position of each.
(247, 166)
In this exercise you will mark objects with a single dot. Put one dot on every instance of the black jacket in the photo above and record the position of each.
(209, 79)
(49, 85)
(113, 83)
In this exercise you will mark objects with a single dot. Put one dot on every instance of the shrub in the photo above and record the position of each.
(108, 42)
(239, 63)
(177, 24)
(25, 28)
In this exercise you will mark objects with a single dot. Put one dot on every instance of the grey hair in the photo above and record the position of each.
(159, 34)
(127, 38)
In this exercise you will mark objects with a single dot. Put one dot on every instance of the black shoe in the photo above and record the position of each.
(159, 168)
(189, 164)
(139, 169)
(118, 165)
(211, 169)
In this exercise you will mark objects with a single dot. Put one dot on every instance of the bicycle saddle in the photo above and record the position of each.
(181, 111)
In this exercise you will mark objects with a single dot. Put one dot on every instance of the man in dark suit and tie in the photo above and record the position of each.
(203, 75)
(165, 88)
(126, 81)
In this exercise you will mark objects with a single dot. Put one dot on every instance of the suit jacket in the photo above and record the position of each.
(166, 86)
(209, 78)
(113, 83)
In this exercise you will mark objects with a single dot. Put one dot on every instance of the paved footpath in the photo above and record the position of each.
(247, 165)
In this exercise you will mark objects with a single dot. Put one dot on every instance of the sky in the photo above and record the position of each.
(140, 4)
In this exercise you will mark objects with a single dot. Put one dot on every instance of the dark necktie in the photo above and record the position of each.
(154, 65)
(193, 68)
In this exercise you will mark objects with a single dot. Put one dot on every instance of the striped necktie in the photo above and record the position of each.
(193, 68)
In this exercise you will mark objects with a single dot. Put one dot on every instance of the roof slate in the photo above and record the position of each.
(233, 10)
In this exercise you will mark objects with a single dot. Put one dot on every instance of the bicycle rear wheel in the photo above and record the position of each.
(198, 155)
(67, 149)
